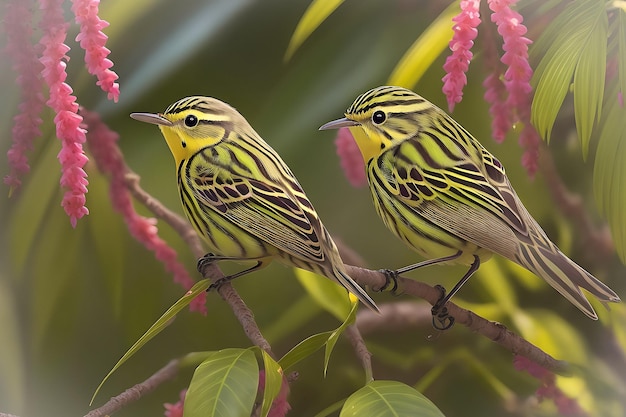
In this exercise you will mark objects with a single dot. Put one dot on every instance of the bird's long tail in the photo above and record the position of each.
(565, 276)
(344, 279)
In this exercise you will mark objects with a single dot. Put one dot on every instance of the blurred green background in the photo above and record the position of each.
(73, 300)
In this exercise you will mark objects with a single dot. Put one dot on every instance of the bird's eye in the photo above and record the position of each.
(379, 117)
(191, 121)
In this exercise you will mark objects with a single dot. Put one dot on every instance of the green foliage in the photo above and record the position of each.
(224, 385)
(388, 399)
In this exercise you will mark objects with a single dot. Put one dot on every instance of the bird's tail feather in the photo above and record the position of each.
(566, 276)
(349, 284)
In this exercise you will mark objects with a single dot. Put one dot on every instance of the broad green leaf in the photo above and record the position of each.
(304, 349)
(273, 382)
(334, 336)
(609, 172)
(621, 36)
(498, 284)
(158, 327)
(567, 35)
(328, 294)
(35, 202)
(420, 56)
(313, 17)
(224, 385)
(108, 227)
(388, 398)
(589, 76)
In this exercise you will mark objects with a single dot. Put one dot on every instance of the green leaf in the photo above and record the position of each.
(328, 294)
(273, 382)
(589, 77)
(312, 18)
(304, 349)
(223, 385)
(334, 336)
(567, 37)
(622, 48)
(388, 398)
(609, 172)
(158, 327)
(420, 56)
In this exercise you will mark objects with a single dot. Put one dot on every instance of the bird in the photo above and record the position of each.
(241, 197)
(445, 196)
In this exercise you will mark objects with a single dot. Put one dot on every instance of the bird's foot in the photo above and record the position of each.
(442, 320)
(391, 280)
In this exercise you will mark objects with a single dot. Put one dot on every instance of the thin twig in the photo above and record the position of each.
(361, 350)
(138, 391)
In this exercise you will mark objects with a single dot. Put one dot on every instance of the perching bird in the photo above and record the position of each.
(440, 191)
(240, 196)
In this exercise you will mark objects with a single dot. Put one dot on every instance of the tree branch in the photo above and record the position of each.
(492, 330)
(136, 392)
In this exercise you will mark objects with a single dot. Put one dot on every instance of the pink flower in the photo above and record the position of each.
(26, 123)
(510, 27)
(93, 41)
(456, 65)
(109, 159)
(548, 390)
(495, 91)
(350, 158)
(176, 409)
(61, 100)
(280, 406)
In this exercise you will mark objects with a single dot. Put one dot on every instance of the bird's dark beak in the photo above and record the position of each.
(336, 124)
(152, 118)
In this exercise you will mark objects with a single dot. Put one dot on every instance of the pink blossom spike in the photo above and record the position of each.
(530, 141)
(93, 40)
(109, 159)
(456, 65)
(61, 100)
(20, 49)
(518, 74)
(350, 158)
(548, 389)
(495, 91)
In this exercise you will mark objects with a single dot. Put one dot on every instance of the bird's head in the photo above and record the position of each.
(381, 118)
(194, 123)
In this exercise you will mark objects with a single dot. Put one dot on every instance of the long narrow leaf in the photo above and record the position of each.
(609, 172)
(332, 339)
(420, 56)
(157, 327)
(313, 17)
(273, 382)
(589, 76)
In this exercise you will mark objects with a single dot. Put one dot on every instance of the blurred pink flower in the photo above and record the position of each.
(92, 40)
(456, 65)
(280, 406)
(61, 100)
(109, 159)
(176, 409)
(18, 29)
(548, 390)
(350, 158)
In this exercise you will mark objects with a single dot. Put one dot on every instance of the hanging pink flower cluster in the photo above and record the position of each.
(508, 92)
(548, 390)
(108, 157)
(50, 66)
(461, 44)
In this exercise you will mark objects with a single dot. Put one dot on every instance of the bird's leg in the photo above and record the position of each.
(219, 282)
(391, 276)
(441, 318)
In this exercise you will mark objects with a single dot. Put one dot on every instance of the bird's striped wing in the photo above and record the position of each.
(283, 219)
(466, 194)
